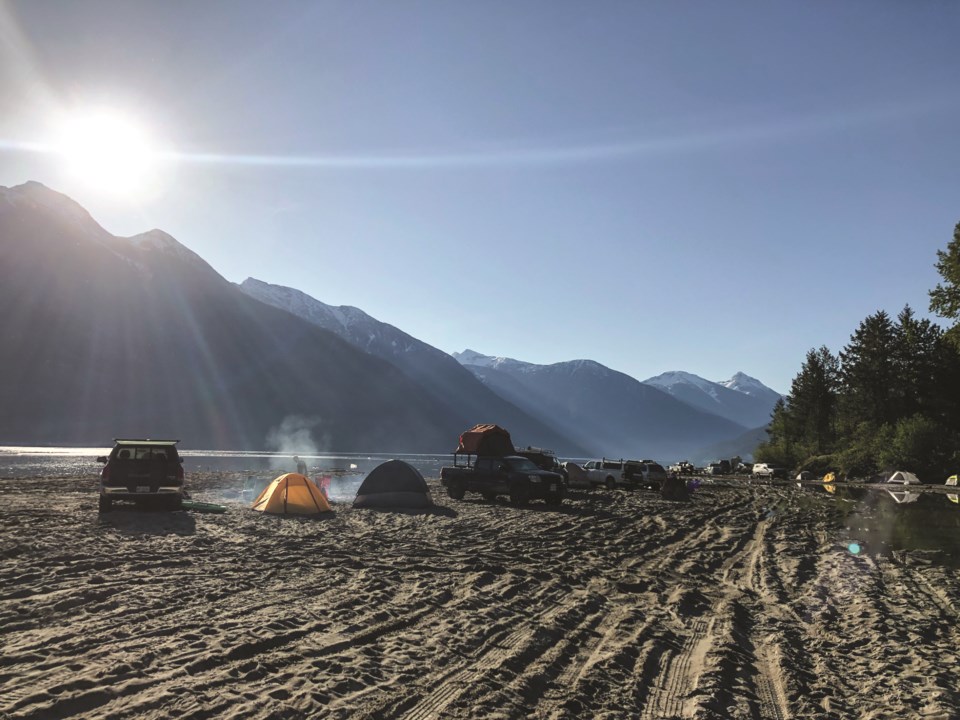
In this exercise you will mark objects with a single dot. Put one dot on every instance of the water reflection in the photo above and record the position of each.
(881, 521)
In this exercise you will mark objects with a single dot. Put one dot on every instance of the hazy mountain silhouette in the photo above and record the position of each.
(442, 377)
(105, 336)
(615, 414)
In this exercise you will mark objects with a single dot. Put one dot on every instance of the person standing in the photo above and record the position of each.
(301, 465)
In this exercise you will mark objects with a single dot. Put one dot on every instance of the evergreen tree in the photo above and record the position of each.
(813, 402)
(918, 366)
(868, 373)
(778, 448)
(945, 297)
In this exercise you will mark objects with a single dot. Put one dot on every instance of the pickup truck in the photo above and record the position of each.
(514, 476)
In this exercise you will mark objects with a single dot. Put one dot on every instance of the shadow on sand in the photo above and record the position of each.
(137, 521)
(438, 510)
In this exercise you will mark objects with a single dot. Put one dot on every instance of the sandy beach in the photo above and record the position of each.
(744, 602)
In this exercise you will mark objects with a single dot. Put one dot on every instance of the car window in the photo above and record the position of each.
(522, 464)
(146, 452)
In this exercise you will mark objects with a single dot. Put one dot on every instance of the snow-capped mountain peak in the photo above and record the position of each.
(472, 357)
(339, 319)
(670, 379)
(741, 382)
(742, 399)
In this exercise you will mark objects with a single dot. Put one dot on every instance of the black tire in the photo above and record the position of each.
(610, 483)
(104, 505)
(456, 491)
(519, 493)
(489, 496)
(555, 498)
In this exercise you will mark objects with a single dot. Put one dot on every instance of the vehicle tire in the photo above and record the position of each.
(555, 498)
(104, 505)
(456, 491)
(489, 496)
(610, 483)
(519, 493)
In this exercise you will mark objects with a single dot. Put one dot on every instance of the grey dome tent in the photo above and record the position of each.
(393, 484)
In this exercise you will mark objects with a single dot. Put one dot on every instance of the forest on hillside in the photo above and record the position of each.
(889, 399)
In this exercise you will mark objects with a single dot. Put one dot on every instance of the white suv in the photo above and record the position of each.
(605, 472)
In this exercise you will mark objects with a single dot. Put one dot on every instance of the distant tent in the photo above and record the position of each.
(828, 479)
(393, 484)
(291, 494)
(902, 477)
(486, 440)
(952, 480)
(576, 475)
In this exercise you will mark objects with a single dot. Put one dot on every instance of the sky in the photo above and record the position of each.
(709, 187)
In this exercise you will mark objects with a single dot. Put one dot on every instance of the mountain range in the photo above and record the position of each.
(106, 336)
(742, 399)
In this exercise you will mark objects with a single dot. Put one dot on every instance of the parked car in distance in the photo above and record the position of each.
(644, 473)
(605, 472)
(513, 475)
(146, 472)
(768, 471)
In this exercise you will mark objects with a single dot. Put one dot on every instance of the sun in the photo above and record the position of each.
(108, 151)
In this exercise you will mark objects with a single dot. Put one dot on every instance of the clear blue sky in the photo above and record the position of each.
(709, 187)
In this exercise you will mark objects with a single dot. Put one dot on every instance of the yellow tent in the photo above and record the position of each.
(827, 479)
(292, 494)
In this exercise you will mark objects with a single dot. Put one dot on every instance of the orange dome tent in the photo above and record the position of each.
(292, 494)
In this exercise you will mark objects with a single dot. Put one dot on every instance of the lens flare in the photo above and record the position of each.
(107, 151)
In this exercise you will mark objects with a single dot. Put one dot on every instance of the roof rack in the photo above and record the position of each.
(143, 441)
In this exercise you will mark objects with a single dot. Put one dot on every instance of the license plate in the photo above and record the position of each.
(143, 488)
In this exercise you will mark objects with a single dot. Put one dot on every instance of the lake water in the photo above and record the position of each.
(16, 461)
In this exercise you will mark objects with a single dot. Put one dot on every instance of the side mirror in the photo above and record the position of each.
(102, 459)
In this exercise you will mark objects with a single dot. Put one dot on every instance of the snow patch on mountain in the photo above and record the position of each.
(670, 379)
(472, 358)
(741, 382)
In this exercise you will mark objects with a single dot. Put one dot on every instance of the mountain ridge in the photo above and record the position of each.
(446, 380)
(621, 416)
